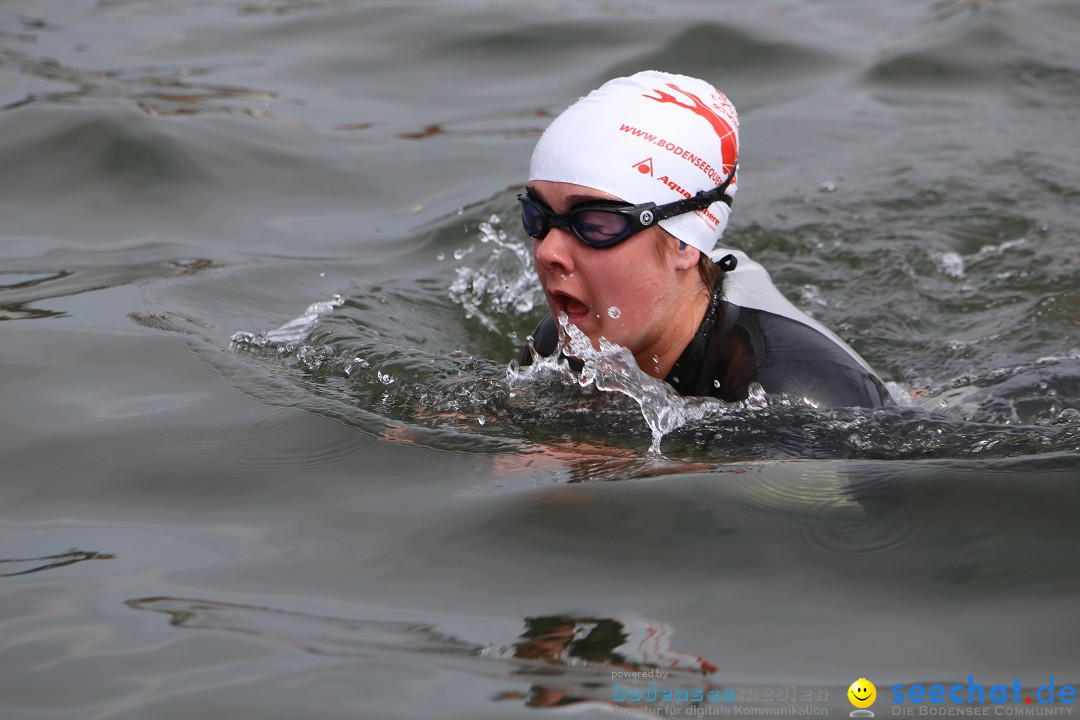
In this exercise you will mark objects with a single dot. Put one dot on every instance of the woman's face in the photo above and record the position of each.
(628, 293)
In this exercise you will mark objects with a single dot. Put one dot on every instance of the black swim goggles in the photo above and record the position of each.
(603, 223)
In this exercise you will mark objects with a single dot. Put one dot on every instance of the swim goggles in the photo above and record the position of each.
(604, 223)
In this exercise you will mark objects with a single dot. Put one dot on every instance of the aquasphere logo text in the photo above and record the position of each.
(974, 693)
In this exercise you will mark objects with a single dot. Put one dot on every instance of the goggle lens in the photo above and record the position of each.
(532, 218)
(598, 227)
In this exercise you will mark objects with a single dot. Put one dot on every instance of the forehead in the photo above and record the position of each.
(560, 195)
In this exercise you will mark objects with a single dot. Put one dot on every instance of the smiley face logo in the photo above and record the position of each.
(862, 693)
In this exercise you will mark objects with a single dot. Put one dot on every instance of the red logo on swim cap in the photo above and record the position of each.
(728, 148)
(644, 167)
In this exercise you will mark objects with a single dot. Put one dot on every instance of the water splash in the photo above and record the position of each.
(289, 335)
(613, 368)
(504, 280)
(952, 264)
(358, 362)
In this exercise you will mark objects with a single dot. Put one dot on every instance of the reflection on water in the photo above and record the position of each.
(10, 567)
(22, 311)
(310, 633)
(566, 659)
(631, 649)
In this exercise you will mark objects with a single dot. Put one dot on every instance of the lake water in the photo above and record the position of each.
(261, 275)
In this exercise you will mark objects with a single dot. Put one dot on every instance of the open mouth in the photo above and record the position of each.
(574, 308)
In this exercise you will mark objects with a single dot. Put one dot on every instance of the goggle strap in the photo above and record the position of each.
(702, 200)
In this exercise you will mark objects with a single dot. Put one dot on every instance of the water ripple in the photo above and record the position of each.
(157, 91)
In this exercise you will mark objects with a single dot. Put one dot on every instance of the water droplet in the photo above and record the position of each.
(562, 276)
(481, 420)
(459, 253)
(656, 359)
(614, 312)
(828, 187)
(322, 274)
(716, 383)
(440, 256)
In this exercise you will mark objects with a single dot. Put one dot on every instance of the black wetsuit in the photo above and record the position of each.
(735, 346)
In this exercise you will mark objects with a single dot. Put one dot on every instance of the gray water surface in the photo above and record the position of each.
(357, 515)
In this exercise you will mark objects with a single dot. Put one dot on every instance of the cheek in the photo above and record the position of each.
(635, 294)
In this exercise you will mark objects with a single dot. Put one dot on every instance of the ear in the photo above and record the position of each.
(686, 257)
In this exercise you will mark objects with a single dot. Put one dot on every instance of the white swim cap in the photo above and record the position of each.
(651, 137)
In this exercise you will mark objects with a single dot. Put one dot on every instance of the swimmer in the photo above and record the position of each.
(629, 193)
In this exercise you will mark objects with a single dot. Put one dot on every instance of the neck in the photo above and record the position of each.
(658, 360)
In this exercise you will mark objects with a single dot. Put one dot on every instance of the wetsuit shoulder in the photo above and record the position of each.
(794, 358)
(736, 346)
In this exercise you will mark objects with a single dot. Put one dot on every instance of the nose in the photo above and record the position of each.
(555, 253)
